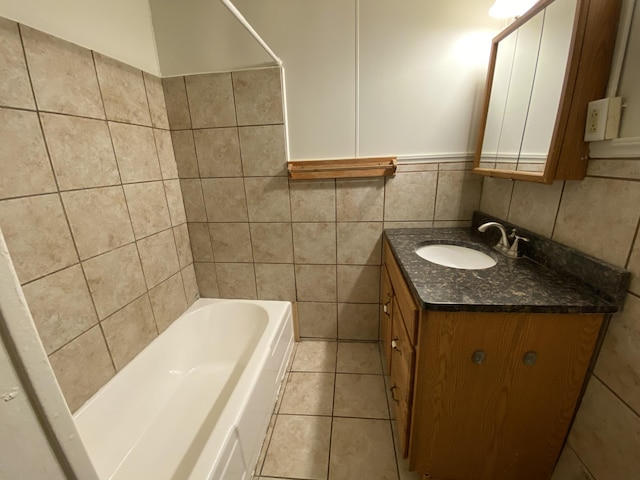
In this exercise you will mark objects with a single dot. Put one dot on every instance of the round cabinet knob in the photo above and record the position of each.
(530, 358)
(478, 357)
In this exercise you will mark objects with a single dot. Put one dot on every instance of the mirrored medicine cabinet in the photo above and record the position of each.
(543, 71)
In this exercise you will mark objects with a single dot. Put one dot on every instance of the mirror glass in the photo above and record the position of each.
(528, 77)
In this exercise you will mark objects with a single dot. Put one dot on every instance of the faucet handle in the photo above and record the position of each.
(514, 246)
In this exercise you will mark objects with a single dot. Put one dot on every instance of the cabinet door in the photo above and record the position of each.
(481, 412)
(386, 310)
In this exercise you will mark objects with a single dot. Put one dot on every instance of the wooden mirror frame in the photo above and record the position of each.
(586, 78)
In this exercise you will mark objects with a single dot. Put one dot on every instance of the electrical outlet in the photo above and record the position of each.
(596, 120)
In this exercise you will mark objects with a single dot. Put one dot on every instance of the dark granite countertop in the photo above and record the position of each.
(512, 285)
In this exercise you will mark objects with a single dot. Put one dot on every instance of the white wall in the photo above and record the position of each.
(199, 36)
(120, 29)
(629, 87)
(363, 78)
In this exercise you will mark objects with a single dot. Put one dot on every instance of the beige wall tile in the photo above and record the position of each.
(129, 330)
(275, 281)
(410, 196)
(207, 279)
(534, 206)
(155, 97)
(218, 152)
(362, 396)
(314, 243)
(200, 242)
(115, 279)
(359, 358)
(168, 301)
(307, 436)
(308, 394)
(461, 165)
(619, 360)
(458, 195)
(599, 216)
(319, 320)
(268, 199)
(359, 243)
(123, 92)
(175, 97)
(190, 284)
(360, 200)
(258, 96)
(358, 321)
(313, 200)
(617, 168)
(605, 434)
(159, 257)
(211, 100)
(37, 236)
(496, 196)
(166, 157)
(224, 199)
(81, 151)
(61, 307)
(391, 225)
(193, 200)
(358, 284)
(362, 448)
(148, 208)
(263, 151)
(136, 152)
(185, 154)
(231, 242)
(236, 280)
(23, 157)
(82, 367)
(183, 245)
(99, 219)
(63, 75)
(569, 467)
(634, 267)
(15, 88)
(431, 166)
(175, 202)
(272, 242)
(316, 283)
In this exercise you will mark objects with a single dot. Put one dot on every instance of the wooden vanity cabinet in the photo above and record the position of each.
(484, 395)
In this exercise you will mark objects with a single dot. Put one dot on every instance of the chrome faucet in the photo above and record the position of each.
(503, 245)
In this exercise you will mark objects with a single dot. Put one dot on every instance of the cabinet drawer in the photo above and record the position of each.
(402, 350)
(405, 301)
(400, 385)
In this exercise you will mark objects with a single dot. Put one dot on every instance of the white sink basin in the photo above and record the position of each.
(455, 256)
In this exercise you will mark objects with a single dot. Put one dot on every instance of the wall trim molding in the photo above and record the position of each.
(436, 157)
(616, 148)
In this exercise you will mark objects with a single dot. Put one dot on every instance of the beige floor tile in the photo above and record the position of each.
(299, 448)
(362, 448)
(308, 394)
(359, 358)
(313, 356)
(360, 396)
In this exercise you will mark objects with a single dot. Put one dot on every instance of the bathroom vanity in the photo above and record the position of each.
(487, 365)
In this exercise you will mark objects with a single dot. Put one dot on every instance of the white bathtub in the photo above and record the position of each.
(196, 402)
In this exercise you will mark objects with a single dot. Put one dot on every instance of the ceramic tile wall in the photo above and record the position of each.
(90, 204)
(255, 234)
(598, 215)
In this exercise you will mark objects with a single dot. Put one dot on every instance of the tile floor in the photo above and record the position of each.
(333, 420)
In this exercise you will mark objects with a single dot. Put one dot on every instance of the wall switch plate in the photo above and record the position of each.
(603, 119)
